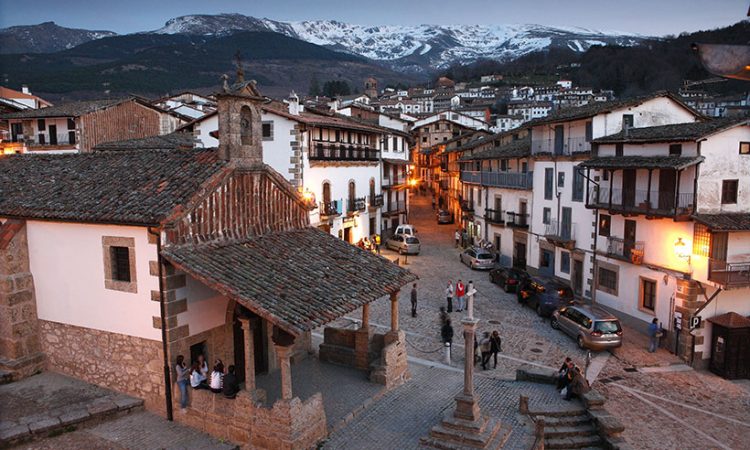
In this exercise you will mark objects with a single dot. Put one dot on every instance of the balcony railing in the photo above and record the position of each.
(376, 201)
(467, 206)
(392, 182)
(322, 152)
(654, 202)
(59, 139)
(332, 208)
(494, 216)
(561, 231)
(729, 274)
(356, 204)
(395, 207)
(626, 250)
(512, 180)
(517, 220)
(566, 147)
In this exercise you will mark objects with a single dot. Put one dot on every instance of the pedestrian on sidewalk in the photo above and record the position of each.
(443, 316)
(414, 300)
(449, 296)
(457, 236)
(496, 346)
(183, 378)
(484, 347)
(460, 292)
(433, 203)
(447, 333)
(654, 335)
(464, 238)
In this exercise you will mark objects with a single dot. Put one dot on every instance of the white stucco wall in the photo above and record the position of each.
(724, 162)
(206, 308)
(278, 150)
(206, 126)
(67, 262)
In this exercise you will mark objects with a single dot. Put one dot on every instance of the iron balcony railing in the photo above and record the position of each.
(376, 200)
(52, 140)
(626, 250)
(392, 182)
(654, 202)
(564, 147)
(563, 231)
(331, 208)
(729, 274)
(356, 204)
(395, 207)
(516, 220)
(322, 152)
(512, 180)
(467, 205)
(494, 216)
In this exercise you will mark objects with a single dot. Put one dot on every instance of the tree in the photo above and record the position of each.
(314, 90)
(334, 88)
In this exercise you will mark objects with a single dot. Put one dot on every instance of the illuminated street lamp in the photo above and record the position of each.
(681, 250)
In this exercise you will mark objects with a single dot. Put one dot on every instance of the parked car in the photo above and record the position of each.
(509, 278)
(406, 229)
(404, 244)
(477, 258)
(444, 217)
(591, 327)
(544, 295)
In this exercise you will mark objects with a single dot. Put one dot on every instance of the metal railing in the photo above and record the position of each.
(343, 153)
(356, 204)
(656, 202)
(564, 231)
(395, 206)
(331, 208)
(729, 274)
(517, 220)
(467, 205)
(52, 140)
(513, 180)
(566, 147)
(391, 182)
(627, 250)
(494, 216)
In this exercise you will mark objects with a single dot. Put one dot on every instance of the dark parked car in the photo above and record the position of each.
(544, 295)
(444, 217)
(508, 277)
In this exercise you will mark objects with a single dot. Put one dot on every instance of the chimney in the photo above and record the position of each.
(294, 106)
(25, 89)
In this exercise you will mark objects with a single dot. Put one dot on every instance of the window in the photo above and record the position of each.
(675, 149)
(267, 128)
(119, 263)
(560, 179)
(338, 136)
(546, 215)
(503, 165)
(385, 144)
(701, 240)
(524, 167)
(565, 262)
(627, 119)
(605, 175)
(744, 148)
(729, 192)
(41, 125)
(607, 279)
(605, 222)
(71, 124)
(548, 177)
(619, 149)
(589, 131)
(424, 138)
(395, 143)
(545, 259)
(577, 185)
(648, 294)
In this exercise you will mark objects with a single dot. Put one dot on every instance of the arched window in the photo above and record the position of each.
(246, 126)
(352, 191)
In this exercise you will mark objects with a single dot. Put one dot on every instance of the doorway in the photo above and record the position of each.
(578, 276)
(667, 183)
(260, 353)
(628, 187)
(52, 134)
(559, 139)
(519, 255)
(348, 235)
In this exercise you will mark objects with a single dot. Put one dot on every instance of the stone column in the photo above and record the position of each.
(249, 349)
(467, 407)
(362, 341)
(284, 352)
(366, 316)
(394, 312)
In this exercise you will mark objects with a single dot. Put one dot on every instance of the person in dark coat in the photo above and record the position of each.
(578, 384)
(414, 300)
(231, 385)
(443, 316)
(496, 346)
(447, 332)
(564, 375)
(484, 347)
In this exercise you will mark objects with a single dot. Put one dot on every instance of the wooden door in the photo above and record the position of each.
(629, 237)
(52, 135)
(578, 276)
(667, 184)
(559, 139)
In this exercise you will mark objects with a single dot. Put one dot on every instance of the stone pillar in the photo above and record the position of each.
(394, 312)
(467, 407)
(249, 349)
(687, 302)
(362, 341)
(284, 352)
(365, 316)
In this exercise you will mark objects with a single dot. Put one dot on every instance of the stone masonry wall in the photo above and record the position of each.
(128, 364)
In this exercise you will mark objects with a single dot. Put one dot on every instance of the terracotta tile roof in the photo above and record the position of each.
(642, 162)
(172, 141)
(13, 94)
(731, 320)
(515, 149)
(682, 132)
(725, 221)
(298, 279)
(73, 109)
(130, 187)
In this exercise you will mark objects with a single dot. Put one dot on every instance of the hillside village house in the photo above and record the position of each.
(186, 252)
(673, 228)
(14, 101)
(188, 104)
(80, 126)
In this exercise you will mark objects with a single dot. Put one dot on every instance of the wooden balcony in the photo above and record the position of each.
(729, 274)
(561, 234)
(494, 216)
(394, 207)
(343, 152)
(654, 203)
(510, 180)
(626, 250)
(516, 220)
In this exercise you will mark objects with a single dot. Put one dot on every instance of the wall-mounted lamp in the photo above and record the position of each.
(681, 250)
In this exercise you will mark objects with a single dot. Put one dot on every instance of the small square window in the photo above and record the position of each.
(729, 191)
(267, 129)
(744, 148)
(546, 215)
(120, 263)
(675, 149)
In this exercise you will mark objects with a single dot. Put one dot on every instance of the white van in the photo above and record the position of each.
(406, 229)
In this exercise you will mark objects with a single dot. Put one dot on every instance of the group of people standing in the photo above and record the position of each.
(371, 244)
(198, 377)
(460, 293)
(571, 382)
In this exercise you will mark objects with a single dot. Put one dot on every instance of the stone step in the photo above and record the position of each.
(573, 442)
(494, 437)
(561, 411)
(558, 421)
(563, 431)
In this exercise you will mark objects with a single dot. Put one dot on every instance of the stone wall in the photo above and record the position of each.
(393, 368)
(687, 303)
(128, 364)
(20, 349)
(288, 425)
(338, 346)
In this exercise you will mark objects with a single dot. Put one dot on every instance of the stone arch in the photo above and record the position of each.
(246, 125)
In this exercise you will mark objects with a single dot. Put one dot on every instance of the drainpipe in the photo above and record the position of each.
(162, 314)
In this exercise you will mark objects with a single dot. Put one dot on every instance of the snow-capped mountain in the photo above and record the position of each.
(45, 38)
(411, 47)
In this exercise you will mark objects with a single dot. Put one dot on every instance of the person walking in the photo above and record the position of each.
(447, 333)
(484, 347)
(183, 378)
(414, 300)
(460, 292)
(496, 346)
(449, 296)
(457, 236)
(433, 203)
(654, 335)
(376, 240)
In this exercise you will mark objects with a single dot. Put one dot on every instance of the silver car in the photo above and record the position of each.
(478, 258)
(404, 244)
(591, 327)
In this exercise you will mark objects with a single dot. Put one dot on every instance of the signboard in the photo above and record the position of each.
(695, 322)
(677, 320)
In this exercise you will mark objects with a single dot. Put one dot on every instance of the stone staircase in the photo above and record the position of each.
(569, 429)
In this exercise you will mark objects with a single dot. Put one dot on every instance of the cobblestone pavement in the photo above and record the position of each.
(404, 415)
(692, 409)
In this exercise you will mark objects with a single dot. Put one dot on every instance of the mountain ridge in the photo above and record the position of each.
(45, 37)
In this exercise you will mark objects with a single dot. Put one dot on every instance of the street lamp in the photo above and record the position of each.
(681, 250)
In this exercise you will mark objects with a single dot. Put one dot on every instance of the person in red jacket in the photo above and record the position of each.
(460, 293)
